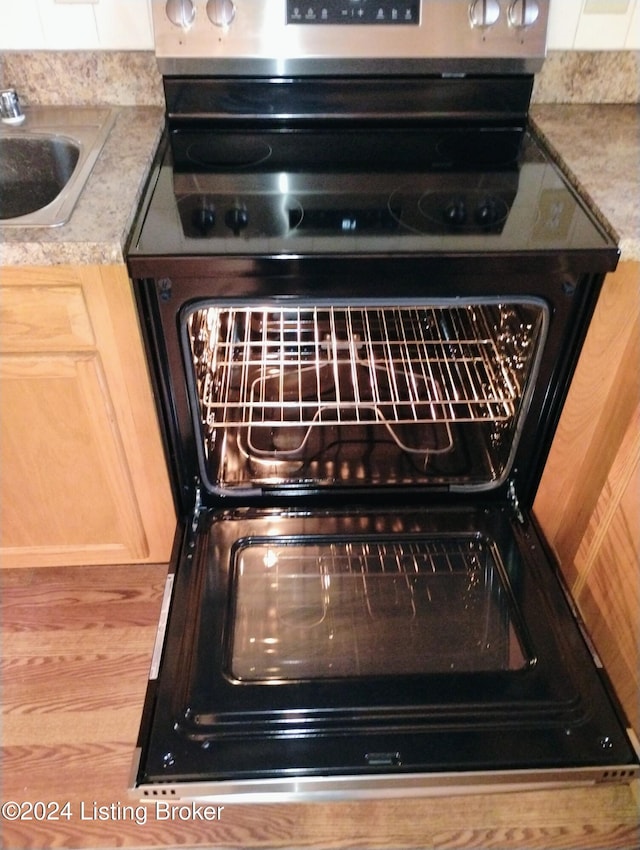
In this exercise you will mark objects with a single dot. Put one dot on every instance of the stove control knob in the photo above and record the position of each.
(237, 219)
(486, 212)
(484, 13)
(455, 212)
(181, 13)
(203, 219)
(523, 13)
(221, 12)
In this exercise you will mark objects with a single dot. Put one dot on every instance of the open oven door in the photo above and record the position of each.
(348, 653)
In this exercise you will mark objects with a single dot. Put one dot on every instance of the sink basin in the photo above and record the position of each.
(46, 161)
(33, 172)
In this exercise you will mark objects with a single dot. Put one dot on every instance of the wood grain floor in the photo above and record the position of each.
(76, 645)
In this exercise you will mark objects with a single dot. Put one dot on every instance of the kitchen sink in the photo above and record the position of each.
(33, 172)
(45, 162)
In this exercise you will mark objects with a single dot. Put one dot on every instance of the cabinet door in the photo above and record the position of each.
(607, 587)
(83, 474)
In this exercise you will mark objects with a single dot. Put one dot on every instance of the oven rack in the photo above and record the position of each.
(328, 366)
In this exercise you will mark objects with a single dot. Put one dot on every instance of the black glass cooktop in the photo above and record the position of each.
(340, 191)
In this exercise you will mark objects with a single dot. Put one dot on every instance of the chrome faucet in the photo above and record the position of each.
(10, 109)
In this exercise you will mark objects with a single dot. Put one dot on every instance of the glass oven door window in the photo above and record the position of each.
(327, 608)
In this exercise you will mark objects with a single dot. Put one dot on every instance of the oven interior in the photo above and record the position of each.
(368, 394)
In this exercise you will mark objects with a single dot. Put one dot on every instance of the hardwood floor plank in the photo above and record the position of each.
(84, 675)
(540, 837)
(36, 768)
(74, 612)
(99, 723)
(135, 640)
(138, 576)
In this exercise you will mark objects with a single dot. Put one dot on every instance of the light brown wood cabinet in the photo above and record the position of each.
(83, 477)
(588, 502)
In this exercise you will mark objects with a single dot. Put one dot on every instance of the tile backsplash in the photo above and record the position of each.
(76, 25)
(594, 25)
(126, 25)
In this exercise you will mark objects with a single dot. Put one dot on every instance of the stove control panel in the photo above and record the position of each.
(284, 37)
(391, 12)
(289, 206)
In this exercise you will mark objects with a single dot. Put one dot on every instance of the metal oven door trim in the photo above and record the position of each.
(382, 786)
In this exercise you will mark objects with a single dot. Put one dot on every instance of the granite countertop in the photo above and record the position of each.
(598, 146)
(99, 226)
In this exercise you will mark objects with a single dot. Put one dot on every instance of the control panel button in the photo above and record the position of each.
(181, 13)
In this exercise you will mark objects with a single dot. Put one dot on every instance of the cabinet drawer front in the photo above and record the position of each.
(44, 318)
